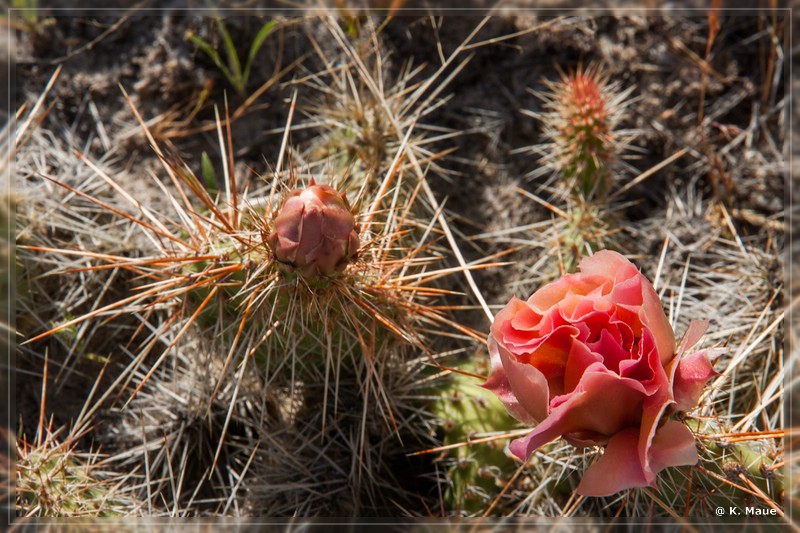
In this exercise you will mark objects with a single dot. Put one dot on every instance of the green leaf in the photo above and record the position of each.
(207, 171)
(233, 58)
(265, 32)
(208, 49)
(190, 178)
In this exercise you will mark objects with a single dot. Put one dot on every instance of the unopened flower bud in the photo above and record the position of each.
(315, 233)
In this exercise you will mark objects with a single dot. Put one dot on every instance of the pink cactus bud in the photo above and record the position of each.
(315, 233)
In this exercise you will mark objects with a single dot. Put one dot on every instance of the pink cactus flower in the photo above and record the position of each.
(315, 233)
(592, 358)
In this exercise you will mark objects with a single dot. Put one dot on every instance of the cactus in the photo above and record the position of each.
(280, 363)
(54, 480)
(583, 147)
(581, 118)
(735, 470)
(476, 473)
(280, 301)
(588, 229)
(363, 115)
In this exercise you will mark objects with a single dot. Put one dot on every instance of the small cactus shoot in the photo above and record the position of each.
(581, 118)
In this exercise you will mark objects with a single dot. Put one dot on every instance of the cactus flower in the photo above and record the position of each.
(592, 358)
(315, 233)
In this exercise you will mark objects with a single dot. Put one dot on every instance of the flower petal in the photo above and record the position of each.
(514, 325)
(651, 313)
(580, 358)
(285, 249)
(691, 376)
(693, 335)
(646, 367)
(522, 388)
(673, 445)
(653, 318)
(618, 469)
(609, 264)
(587, 411)
(573, 285)
(609, 347)
(620, 466)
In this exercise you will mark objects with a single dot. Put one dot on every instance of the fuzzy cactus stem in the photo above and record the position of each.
(582, 112)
